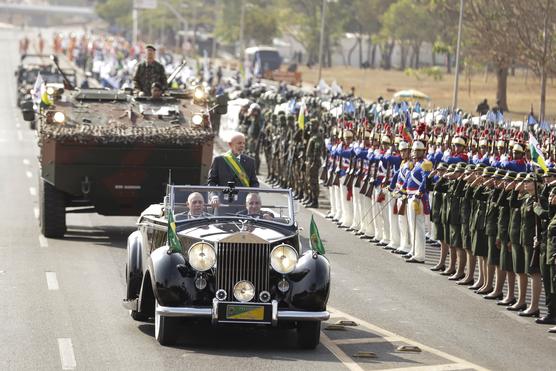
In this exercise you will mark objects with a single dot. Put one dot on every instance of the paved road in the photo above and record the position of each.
(61, 299)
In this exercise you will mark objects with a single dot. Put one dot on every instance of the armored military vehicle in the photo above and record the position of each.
(109, 152)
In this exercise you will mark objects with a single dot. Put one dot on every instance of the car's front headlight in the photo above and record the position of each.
(283, 258)
(202, 256)
(244, 291)
(197, 119)
(59, 117)
(199, 93)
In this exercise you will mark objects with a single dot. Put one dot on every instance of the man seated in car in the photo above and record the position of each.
(196, 206)
(253, 207)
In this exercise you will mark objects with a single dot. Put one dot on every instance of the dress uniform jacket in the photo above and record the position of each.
(527, 232)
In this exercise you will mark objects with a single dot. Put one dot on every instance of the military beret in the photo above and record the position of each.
(460, 166)
(521, 176)
(442, 166)
(550, 172)
(451, 167)
(500, 173)
(510, 175)
(469, 168)
(488, 171)
(531, 177)
(150, 46)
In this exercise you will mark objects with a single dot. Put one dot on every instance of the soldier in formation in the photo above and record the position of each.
(404, 178)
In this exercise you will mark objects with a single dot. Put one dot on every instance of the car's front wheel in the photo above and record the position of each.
(165, 328)
(308, 334)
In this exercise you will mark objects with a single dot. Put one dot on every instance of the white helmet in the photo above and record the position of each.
(417, 145)
(403, 145)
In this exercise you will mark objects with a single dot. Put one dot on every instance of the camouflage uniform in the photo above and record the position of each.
(146, 74)
(314, 154)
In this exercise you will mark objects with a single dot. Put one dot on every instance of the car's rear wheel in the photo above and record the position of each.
(308, 334)
(52, 210)
(165, 328)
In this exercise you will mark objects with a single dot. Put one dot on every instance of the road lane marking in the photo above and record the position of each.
(389, 334)
(28, 174)
(338, 353)
(444, 367)
(36, 212)
(19, 135)
(385, 339)
(67, 356)
(26, 162)
(33, 191)
(43, 242)
(52, 281)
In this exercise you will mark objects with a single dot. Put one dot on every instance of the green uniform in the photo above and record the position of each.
(454, 217)
(518, 255)
(528, 229)
(491, 226)
(314, 154)
(506, 263)
(437, 201)
(148, 73)
(479, 244)
(464, 194)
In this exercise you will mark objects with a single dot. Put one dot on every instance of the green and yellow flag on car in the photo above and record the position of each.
(314, 238)
(174, 244)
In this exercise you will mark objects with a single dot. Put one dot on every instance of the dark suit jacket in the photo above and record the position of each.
(220, 173)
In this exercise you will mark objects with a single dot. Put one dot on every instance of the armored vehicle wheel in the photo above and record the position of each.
(52, 210)
(308, 334)
(165, 329)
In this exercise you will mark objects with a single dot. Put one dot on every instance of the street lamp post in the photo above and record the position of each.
(241, 31)
(456, 82)
(321, 43)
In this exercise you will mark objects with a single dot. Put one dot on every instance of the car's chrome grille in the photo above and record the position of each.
(242, 261)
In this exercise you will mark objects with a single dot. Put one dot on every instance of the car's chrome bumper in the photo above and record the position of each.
(211, 313)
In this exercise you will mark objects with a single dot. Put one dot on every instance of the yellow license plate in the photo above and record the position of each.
(245, 312)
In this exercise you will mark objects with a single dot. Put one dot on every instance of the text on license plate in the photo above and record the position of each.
(245, 312)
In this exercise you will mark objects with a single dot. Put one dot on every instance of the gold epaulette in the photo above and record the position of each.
(426, 165)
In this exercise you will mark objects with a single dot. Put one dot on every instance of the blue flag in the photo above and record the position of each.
(417, 108)
(531, 120)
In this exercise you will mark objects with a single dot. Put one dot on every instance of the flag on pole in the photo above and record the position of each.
(301, 117)
(174, 243)
(531, 120)
(36, 92)
(314, 238)
(407, 130)
(536, 154)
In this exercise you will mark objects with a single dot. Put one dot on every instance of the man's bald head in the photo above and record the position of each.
(237, 143)
(253, 203)
(195, 203)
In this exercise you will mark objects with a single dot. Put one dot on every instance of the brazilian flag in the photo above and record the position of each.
(174, 243)
(314, 238)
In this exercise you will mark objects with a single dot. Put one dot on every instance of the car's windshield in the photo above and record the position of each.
(188, 202)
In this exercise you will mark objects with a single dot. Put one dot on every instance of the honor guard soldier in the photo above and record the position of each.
(415, 188)
(400, 201)
(346, 153)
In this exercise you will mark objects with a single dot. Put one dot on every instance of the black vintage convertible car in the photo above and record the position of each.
(239, 261)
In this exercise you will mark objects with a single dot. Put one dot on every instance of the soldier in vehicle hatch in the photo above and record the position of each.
(148, 72)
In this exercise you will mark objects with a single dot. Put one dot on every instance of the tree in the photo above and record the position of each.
(534, 23)
(407, 22)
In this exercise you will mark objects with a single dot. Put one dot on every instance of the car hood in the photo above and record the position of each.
(232, 231)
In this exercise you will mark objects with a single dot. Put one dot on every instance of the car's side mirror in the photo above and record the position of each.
(28, 111)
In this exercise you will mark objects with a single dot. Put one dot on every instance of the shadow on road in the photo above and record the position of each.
(113, 236)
